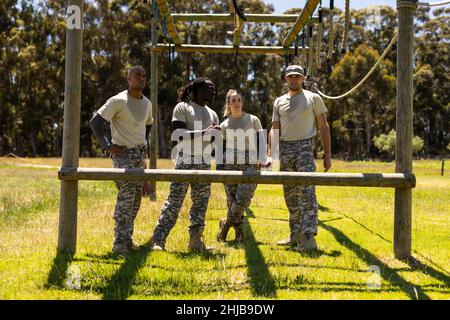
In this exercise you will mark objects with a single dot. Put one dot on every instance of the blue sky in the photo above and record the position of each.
(283, 5)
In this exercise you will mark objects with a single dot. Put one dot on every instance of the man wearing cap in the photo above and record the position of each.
(296, 117)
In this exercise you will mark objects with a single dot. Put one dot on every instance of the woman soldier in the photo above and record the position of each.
(192, 118)
(240, 131)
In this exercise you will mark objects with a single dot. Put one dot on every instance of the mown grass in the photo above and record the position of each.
(355, 234)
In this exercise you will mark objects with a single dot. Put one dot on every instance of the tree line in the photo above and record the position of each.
(117, 36)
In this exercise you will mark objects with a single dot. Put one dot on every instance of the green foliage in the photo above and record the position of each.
(117, 35)
(386, 143)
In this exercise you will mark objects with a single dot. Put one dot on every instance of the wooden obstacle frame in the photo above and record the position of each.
(70, 173)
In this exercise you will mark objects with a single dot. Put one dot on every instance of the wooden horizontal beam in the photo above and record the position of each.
(228, 49)
(165, 13)
(302, 20)
(225, 17)
(384, 180)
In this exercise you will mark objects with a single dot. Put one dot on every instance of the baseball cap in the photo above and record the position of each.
(295, 69)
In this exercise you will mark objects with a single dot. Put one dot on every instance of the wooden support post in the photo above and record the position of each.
(404, 121)
(302, 19)
(154, 99)
(67, 236)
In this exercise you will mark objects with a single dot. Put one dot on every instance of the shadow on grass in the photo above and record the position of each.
(315, 254)
(334, 219)
(58, 271)
(205, 255)
(320, 207)
(261, 281)
(388, 274)
(417, 265)
(364, 227)
(119, 286)
(274, 219)
(249, 213)
(109, 258)
(324, 209)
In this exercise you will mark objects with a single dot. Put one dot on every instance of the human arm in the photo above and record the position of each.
(180, 125)
(97, 124)
(324, 130)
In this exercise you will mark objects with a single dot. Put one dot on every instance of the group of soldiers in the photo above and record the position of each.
(297, 117)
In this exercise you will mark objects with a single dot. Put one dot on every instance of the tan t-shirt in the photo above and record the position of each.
(239, 130)
(128, 117)
(195, 117)
(297, 115)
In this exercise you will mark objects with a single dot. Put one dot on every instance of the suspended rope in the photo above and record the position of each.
(165, 13)
(346, 27)
(297, 58)
(331, 31)
(165, 33)
(238, 10)
(388, 48)
(304, 57)
(236, 66)
(319, 35)
(311, 49)
(239, 18)
(296, 50)
(433, 4)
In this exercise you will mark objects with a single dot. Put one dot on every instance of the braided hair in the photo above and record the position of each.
(189, 91)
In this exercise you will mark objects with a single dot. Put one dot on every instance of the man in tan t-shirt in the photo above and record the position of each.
(129, 114)
(296, 116)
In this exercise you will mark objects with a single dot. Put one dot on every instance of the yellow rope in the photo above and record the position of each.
(433, 4)
(315, 87)
(165, 13)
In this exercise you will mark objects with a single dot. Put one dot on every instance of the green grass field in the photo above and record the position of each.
(355, 236)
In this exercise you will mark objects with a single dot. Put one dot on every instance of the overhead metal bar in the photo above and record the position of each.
(227, 49)
(225, 17)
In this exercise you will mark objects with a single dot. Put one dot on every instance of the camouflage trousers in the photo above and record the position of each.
(129, 194)
(200, 193)
(301, 200)
(239, 196)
